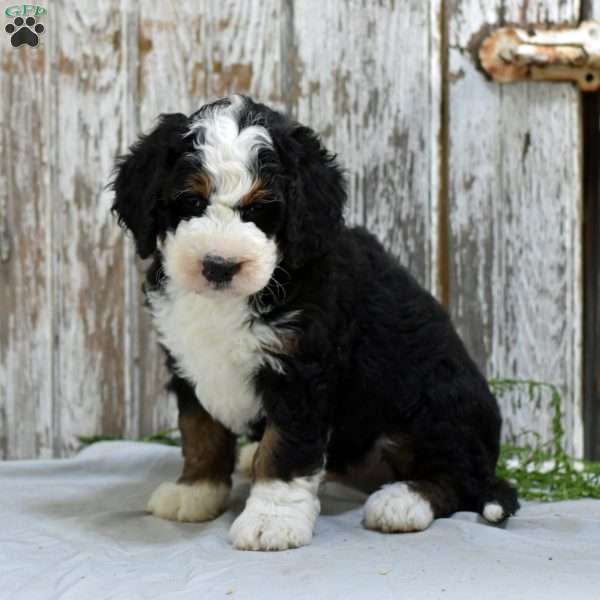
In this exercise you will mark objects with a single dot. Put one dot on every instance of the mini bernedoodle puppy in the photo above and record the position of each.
(283, 324)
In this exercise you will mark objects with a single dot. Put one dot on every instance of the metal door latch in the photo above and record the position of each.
(513, 54)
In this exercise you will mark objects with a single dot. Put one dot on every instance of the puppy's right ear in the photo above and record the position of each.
(141, 176)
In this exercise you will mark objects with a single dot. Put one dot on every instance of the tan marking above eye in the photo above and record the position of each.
(256, 194)
(200, 184)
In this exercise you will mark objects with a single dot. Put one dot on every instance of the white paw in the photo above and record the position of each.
(493, 512)
(397, 508)
(277, 516)
(189, 502)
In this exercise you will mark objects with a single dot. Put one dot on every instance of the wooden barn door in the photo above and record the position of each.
(515, 220)
(476, 187)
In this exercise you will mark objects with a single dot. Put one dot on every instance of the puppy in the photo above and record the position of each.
(281, 323)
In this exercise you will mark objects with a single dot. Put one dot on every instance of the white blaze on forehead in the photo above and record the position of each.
(228, 153)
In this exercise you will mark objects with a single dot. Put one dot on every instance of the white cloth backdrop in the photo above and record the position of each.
(76, 529)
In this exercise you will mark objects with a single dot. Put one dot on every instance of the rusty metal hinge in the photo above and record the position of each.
(513, 54)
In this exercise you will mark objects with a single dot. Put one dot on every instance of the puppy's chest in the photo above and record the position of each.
(218, 347)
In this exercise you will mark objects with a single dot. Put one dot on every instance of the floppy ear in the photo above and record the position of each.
(141, 176)
(316, 196)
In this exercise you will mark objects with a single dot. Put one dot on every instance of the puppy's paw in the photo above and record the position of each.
(278, 516)
(397, 508)
(201, 501)
(254, 530)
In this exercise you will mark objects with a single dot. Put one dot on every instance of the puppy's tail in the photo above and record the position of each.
(501, 501)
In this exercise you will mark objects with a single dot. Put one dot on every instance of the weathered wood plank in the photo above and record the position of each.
(192, 55)
(189, 55)
(89, 390)
(591, 9)
(26, 205)
(367, 76)
(129, 32)
(515, 218)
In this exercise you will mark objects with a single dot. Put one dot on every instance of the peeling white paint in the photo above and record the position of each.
(77, 352)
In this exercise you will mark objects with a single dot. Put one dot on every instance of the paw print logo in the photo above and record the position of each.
(24, 31)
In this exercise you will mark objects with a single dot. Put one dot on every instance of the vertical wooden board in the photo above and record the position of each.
(243, 54)
(25, 266)
(515, 219)
(89, 329)
(366, 76)
(190, 55)
(128, 31)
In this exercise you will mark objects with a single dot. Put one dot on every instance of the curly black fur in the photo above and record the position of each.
(376, 355)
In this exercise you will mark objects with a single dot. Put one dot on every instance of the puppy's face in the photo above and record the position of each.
(228, 194)
(225, 208)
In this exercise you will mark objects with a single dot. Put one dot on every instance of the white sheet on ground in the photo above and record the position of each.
(76, 529)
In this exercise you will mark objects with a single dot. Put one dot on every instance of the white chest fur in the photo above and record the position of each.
(218, 348)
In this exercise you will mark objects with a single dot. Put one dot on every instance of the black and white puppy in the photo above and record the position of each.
(281, 323)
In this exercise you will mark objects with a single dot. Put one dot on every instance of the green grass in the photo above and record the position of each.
(542, 471)
(168, 437)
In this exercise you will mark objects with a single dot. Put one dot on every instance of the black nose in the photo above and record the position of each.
(216, 269)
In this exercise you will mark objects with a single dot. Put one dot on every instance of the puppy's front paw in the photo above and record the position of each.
(278, 516)
(254, 530)
(397, 508)
(201, 501)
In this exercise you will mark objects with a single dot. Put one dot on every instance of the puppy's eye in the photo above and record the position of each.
(252, 211)
(190, 204)
(267, 216)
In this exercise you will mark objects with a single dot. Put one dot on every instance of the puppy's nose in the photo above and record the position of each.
(217, 269)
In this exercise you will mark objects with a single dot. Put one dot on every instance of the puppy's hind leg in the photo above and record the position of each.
(402, 507)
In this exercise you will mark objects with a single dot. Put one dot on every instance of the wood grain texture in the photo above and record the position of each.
(591, 9)
(129, 33)
(77, 351)
(26, 359)
(89, 291)
(189, 55)
(515, 218)
(371, 86)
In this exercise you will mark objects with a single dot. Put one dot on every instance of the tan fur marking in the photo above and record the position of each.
(256, 194)
(264, 459)
(208, 449)
(287, 343)
(200, 184)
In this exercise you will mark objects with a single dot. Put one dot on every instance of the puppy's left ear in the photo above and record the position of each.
(316, 196)
(141, 176)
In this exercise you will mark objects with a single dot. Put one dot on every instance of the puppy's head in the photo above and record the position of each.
(229, 194)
